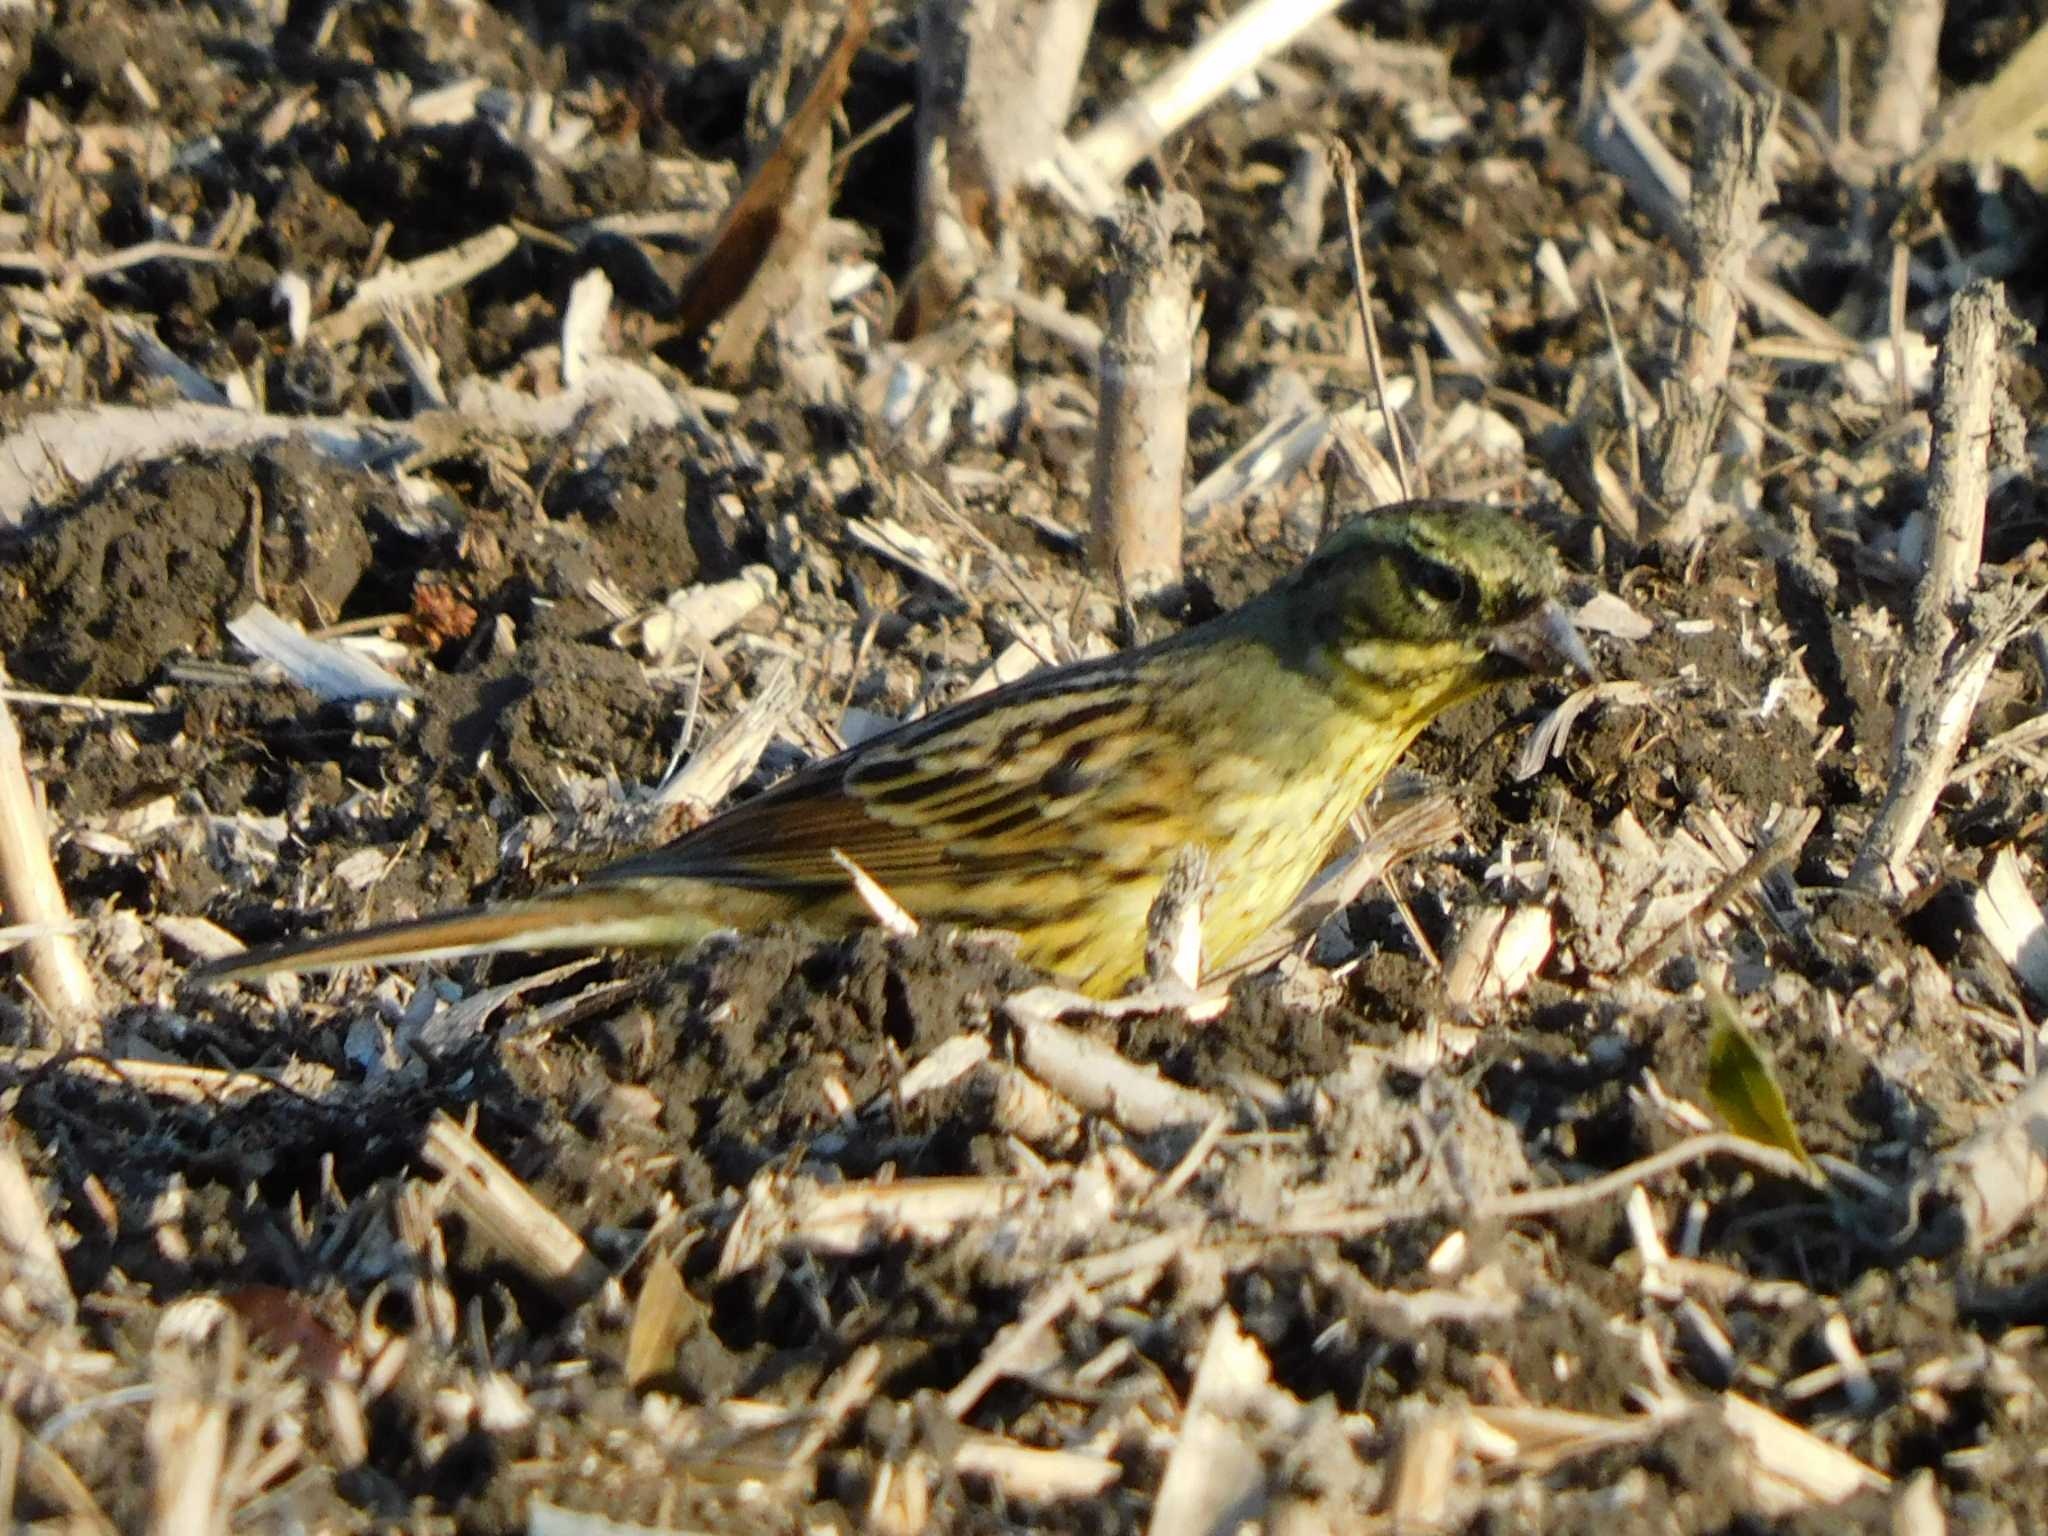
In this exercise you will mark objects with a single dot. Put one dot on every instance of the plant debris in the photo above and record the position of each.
(589, 414)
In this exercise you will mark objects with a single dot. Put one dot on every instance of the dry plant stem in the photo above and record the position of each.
(1730, 186)
(1782, 849)
(1655, 29)
(536, 1239)
(1968, 374)
(1623, 141)
(1034, 1475)
(1422, 824)
(47, 1476)
(1361, 290)
(1424, 1468)
(78, 701)
(1954, 647)
(1550, 1202)
(196, 1358)
(1699, 56)
(789, 264)
(1214, 1480)
(995, 86)
(1907, 82)
(1013, 1346)
(729, 753)
(843, 1219)
(1895, 316)
(193, 1085)
(1092, 1075)
(64, 271)
(1142, 428)
(758, 230)
(1999, 1176)
(1138, 126)
(30, 1266)
(404, 282)
(851, 1387)
(31, 896)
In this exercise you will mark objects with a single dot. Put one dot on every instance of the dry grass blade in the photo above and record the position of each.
(326, 668)
(1361, 292)
(1548, 1202)
(1015, 1344)
(887, 911)
(731, 752)
(1780, 850)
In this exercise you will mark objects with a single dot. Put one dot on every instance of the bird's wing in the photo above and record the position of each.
(972, 792)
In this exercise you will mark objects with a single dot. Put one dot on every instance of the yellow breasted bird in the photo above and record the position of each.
(1055, 806)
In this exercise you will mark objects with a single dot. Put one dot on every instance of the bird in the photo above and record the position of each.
(1054, 807)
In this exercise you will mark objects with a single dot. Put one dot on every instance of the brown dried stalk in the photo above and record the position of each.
(747, 269)
(996, 83)
(1731, 184)
(1956, 637)
(1141, 435)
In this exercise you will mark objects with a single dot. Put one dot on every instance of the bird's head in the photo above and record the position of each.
(1416, 606)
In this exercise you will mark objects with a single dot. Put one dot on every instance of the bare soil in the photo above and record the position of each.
(686, 1097)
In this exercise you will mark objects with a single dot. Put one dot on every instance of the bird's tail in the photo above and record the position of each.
(628, 915)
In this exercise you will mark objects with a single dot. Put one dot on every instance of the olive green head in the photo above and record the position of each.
(1430, 601)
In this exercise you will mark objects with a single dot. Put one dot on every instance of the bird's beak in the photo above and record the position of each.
(1542, 642)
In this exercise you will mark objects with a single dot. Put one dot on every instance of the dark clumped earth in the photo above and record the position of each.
(843, 1255)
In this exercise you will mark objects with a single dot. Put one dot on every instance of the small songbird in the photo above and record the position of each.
(1054, 807)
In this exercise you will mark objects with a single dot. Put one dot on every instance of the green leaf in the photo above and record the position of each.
(1742, 1085)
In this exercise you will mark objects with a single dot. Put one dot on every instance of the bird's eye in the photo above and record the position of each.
(1444, 585)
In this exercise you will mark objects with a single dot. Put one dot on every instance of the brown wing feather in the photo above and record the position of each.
(970, 792)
